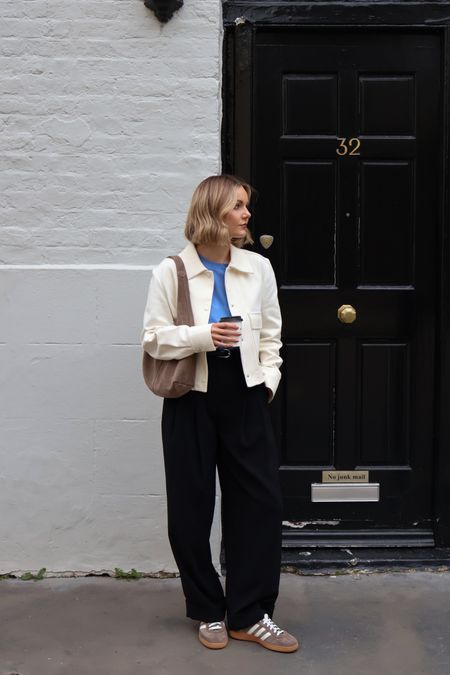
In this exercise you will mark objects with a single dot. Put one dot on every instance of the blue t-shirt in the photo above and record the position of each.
(219, 304)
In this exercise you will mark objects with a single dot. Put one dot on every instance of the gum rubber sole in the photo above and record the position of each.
(241, 635)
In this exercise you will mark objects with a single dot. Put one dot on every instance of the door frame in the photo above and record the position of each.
(241, 20)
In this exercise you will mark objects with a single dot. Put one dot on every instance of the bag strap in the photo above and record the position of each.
(185, 316)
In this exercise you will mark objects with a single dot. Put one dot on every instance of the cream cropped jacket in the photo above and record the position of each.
(252, 293)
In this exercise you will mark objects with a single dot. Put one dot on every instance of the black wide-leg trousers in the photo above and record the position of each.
(227, 427)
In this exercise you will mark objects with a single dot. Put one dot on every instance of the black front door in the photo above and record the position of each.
(346, 157)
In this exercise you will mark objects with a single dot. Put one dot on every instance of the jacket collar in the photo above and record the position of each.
(239, 260)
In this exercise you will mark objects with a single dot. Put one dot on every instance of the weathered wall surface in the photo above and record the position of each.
(108, 120)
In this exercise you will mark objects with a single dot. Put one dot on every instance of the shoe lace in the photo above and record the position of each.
(215, 625)
(267, 621)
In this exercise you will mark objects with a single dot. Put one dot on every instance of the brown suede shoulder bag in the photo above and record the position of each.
(175, 377)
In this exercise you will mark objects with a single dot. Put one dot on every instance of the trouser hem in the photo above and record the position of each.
(198, 614)
(245, 623)
(248, 620)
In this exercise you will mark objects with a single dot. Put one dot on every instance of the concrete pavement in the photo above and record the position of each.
(366, 624)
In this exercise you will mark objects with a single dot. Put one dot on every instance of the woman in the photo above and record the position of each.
(224, 421)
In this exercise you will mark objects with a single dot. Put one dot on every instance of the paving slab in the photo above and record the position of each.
(366, 624)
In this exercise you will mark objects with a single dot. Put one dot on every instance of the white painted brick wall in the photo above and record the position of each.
(108, 120)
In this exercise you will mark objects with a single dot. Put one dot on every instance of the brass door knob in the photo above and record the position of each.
(266, 240)
(346, 314)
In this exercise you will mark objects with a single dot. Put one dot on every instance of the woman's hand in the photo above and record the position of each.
(225, 334)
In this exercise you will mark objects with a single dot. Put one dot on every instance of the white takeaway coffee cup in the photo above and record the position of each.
(237, 320)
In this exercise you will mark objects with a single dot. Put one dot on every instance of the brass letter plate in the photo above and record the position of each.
(345, 492)
(345, 476)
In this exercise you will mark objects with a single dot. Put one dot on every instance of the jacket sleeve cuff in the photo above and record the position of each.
(272, 377)
(201, 338)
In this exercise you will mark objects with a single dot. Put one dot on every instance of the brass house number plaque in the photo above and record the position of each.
(348, 146)
(345, 476)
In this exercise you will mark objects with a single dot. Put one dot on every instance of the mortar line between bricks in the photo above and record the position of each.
(83, 267)
(86, 419)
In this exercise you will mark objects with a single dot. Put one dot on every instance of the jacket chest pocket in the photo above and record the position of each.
(255, 320)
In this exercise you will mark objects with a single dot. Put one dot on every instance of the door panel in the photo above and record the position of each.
(386, 235)
(309, 388)
(309, 250)
(387, 104)
(320, 115)
(383, 405)
(346, 161)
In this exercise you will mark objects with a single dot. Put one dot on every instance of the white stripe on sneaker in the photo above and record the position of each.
(253, 628)
(264, 637)
(260, 631)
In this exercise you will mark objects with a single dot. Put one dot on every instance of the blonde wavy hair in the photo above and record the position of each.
(213, 198)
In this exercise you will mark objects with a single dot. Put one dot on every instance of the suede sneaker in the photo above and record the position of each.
(268, 635)
(213, 635)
